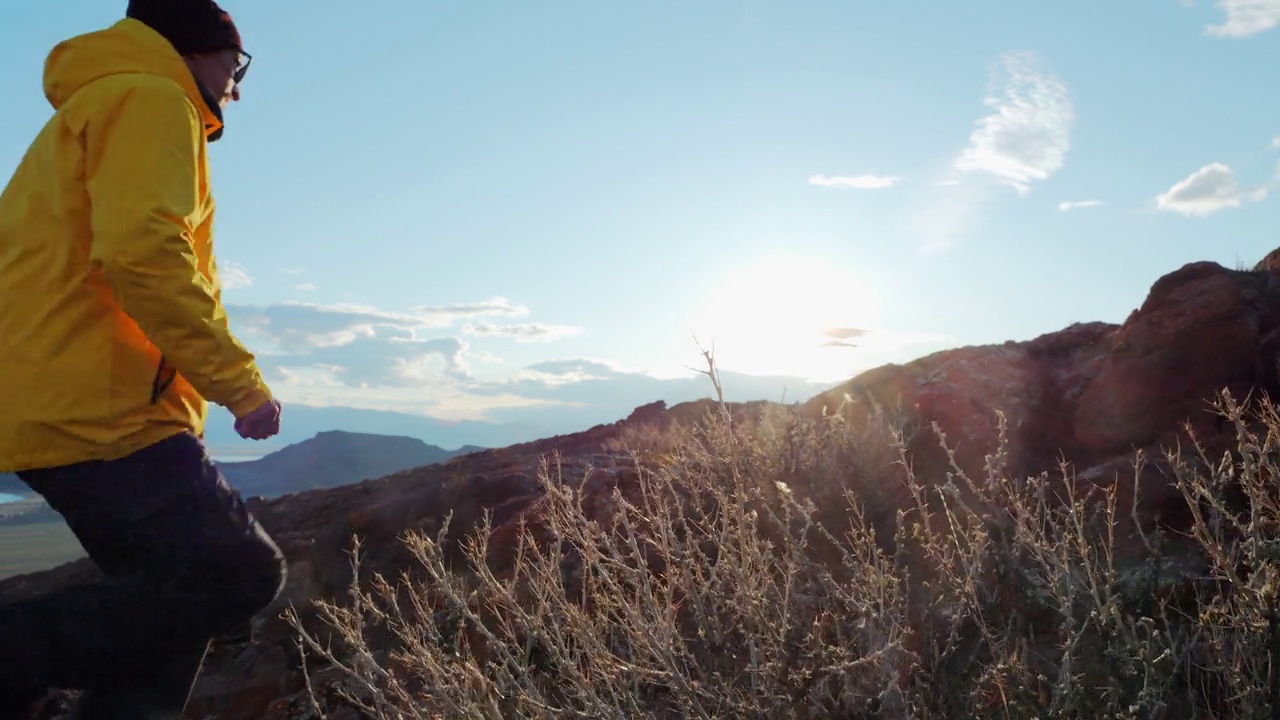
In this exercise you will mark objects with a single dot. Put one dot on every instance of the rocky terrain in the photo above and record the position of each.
(1093, 394)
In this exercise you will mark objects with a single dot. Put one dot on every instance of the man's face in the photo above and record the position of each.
(217, 72)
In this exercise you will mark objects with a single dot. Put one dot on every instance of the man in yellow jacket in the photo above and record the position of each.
(113, 340)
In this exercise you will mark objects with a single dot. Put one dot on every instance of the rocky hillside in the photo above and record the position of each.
(1091, 393)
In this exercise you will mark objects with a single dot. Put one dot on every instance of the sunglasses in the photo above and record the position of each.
(242, 66)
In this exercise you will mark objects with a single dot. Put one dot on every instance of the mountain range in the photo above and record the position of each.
(302, 422)
(328, 459)
(331, 459)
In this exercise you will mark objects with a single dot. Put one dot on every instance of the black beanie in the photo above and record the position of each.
(191, 26)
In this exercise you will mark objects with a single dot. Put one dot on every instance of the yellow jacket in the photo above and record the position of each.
(112, 330)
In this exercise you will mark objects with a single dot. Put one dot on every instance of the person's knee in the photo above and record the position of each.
(262, 575)
(243, 582)
(272, 579)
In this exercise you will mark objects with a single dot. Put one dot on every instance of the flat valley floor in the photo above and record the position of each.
(31, 548)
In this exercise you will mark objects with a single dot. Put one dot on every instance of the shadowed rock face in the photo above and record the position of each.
(1092, 393)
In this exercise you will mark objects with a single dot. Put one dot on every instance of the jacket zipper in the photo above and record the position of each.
(160, 383)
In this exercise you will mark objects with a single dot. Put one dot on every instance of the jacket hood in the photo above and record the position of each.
(126, 47)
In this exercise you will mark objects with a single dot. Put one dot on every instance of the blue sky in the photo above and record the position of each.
(466, 210)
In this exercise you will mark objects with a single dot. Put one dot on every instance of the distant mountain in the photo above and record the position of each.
(326, 460)
(301, 422)
(606, 396)
(331, 459)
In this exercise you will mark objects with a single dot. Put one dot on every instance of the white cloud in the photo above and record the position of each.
(530, 332)
(1027, 136)
(1064, 206)
(421, 362)
(305, 287)
(234, 276)
(367, 347)
(1245, 18)
(293, 271)
(555, 379)
(319, 375)
(430, 358)
(484, 357)
(1206, 191)
(857, 182)
(552, 397)
(1275, 142)
(441, 397)
(295, 327)
(494, 306)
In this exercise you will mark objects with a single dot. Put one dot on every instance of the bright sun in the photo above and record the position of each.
(787, 315)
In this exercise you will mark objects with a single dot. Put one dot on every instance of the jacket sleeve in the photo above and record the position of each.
(144, 191)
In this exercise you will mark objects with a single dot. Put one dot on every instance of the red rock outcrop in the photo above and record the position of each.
(1092, 394)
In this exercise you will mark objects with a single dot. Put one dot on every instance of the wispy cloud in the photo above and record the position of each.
(297, 327)
(1206, 191)
(1275, 142)
(436, 394)
(1024, 140)
(421, 361)
(842, 336)
(354, 349)
(1245, 18)
(494, 306)
(234, 276)
(305, 287)
(1065, 206)
(1026, 137)
(844, 333)
(856, 182)
(529, 332)
(558, 373)
(371, 363)
(550, 397)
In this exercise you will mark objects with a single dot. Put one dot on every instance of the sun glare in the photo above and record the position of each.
(787, 315)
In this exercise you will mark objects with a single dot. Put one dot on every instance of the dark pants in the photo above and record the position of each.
(185, 562)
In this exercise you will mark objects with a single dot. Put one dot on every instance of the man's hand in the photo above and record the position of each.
(260, 424)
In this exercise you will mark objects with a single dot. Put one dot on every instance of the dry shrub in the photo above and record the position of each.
(719, 586)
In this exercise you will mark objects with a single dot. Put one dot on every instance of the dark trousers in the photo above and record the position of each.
(185, 562)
